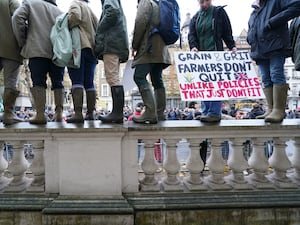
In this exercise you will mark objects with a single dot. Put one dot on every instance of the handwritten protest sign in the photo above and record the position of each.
(214, 76)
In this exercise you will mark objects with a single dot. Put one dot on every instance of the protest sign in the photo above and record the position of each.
(128, 82)
(217, 76)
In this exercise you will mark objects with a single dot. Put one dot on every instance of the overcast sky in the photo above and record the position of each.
(238, 10)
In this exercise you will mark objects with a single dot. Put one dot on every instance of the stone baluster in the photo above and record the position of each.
(172, 167)
(260, 165)
(38, 167)
(149, 166)
(18, 168)
(195, 166)
(216, 166)
(4, 181)
(296, 161)
(238, 164)
(280, 164)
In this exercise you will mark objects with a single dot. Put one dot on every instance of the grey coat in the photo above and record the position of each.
(148, 13)
(34, 39)
(9, 48)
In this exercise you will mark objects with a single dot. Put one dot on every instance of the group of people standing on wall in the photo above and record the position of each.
(25, 33)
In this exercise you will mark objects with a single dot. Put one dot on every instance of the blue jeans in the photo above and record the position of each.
(84, 76)
(155, 70)
(272, 71)
(40, 67)
(212, 108)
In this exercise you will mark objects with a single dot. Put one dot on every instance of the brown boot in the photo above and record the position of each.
(39, 96)
(59, 104)
(149, 116)
(269, 97)
(9, 100)
(160, 98)
(77, 94)
(91, 104)
(279, 98)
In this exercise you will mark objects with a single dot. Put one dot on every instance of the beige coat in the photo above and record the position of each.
(35, 39)
(148, 11)
(9, 48)
(81, 15)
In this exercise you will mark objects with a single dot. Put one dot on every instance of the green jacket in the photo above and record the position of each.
(9, 48)
(147, 14)
(295, 37)
(111, 35)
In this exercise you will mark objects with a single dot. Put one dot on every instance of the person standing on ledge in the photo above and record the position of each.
(113, 48)
(149, 61)
(270, 45)
(208, 29)
(32, 24)
(10, 60)
(81, 15)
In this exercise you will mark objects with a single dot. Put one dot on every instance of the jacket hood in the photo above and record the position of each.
(51, 1)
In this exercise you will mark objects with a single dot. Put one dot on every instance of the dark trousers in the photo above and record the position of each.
(155, 71)
(40, 67)
(84, 76)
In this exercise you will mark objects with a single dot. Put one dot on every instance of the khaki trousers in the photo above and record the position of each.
(112, 69)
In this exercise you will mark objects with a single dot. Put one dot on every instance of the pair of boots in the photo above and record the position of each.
(77, 95)
(155, 105)
(39, 96)
(9, 100)
(276, 99)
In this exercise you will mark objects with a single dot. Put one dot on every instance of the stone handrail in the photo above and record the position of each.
(102, 160)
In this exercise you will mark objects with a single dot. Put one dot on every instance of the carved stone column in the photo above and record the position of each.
(149, 183)
(296, 161)
(18, 168)
(280, 163)
(260, 165)
(238, 165)
(172, 167)
(38, 167)
(4, 181)
(195, 166)
(216, 166)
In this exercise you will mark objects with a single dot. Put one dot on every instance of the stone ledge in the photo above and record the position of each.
(89, 205)
(25, 202)
(193, 125)
(216, 200)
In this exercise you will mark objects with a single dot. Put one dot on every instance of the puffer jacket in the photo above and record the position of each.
(147, 14)
(268, 28)
(32, 24)
(295, 39)
(221, 28)
(9, 48)
(111, 35)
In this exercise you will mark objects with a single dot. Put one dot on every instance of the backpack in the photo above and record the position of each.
(66, 43)
(169, 26)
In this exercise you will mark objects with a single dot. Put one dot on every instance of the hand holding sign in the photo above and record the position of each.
(215, 76)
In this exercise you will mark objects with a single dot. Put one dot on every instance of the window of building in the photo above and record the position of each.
(104, 90)
(102, 73)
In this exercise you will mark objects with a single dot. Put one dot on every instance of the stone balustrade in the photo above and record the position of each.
(92, 173)
(103, 160)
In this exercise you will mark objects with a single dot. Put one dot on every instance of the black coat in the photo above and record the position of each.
(268, 28)
(221, 28)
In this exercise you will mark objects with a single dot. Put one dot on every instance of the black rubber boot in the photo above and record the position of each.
(116, 116)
